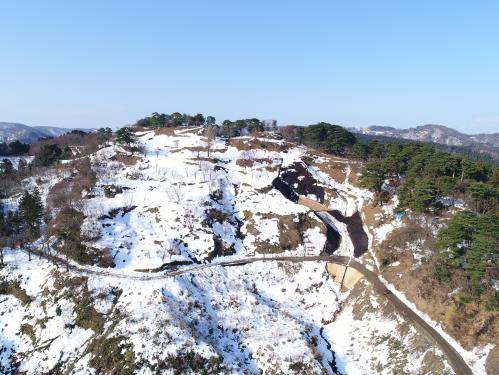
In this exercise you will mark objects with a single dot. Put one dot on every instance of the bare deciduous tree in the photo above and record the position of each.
(190, 219)
(128, 200)
(175, 192)
(210, 134)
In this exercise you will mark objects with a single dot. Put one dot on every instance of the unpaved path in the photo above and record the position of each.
(458, 364)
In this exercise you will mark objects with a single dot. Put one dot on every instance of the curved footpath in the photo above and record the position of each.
(458, 364)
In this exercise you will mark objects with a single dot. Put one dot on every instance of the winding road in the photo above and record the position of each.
(456, 361)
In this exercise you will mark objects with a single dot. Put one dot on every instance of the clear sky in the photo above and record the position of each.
(354, 63)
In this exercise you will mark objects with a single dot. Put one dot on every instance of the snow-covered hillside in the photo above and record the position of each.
(10, 132)
(432, 133)
(176, 205)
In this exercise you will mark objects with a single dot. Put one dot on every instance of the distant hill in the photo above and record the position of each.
(483, 147)
(432, 133)
(28, 134)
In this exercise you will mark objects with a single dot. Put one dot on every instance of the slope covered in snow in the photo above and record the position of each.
(175, 204)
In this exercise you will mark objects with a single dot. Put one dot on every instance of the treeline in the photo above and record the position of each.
(484, 153)
(330, 138)
(228, 128)
(246, 126)
(14, 148)
(76, 143)
(22, 224)
(426, 181)
(470, 241)
(422, 177)
(469, 251)
(176, 119)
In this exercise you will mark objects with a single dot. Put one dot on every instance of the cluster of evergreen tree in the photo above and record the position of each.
(329, 138)
(469, 252)
(14, 148)
(22, 224)
(104, 134)
(10, 176)
(124, 135)
(75, 143)
(422, 175)
(245, 126)
(176, 119)
(483, 153)
(228, 128)
(470, 241)
(48, 155)
(6, 167)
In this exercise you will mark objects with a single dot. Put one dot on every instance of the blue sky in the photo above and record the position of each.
(354, 63)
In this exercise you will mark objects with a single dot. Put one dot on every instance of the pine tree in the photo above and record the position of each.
(456, 239)
(484, 249)
(6, 167)
(48, 155)
(124, 135)
(31, 212)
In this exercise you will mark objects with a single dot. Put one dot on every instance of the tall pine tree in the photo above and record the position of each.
(31, 212)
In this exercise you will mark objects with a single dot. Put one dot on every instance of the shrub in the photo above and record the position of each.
(112, 356)
(87, 316)
(91, 229)
(110, 191)
(27, 329)
(66, 226)
(14, 289)
(48, 155)
(191, 362)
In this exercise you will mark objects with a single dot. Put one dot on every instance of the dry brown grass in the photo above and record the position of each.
(165, 131)
(69, 191)
(492, 362)
(313, 205)
(245, 144)
(354, 176)
(137, 129)
(173, 132)
(267, 135)
(192, 130)
(128, 160)
(469, 323)
(291, 231)
(334, 169)
(335, 166)
(251, 162)
(155, 212)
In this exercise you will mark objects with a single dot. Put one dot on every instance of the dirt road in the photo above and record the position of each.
(458, 364)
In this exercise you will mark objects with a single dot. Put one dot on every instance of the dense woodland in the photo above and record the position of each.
(427, 182)
(483, 152)
(13, 148)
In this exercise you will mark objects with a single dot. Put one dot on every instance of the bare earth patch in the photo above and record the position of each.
(245, 144)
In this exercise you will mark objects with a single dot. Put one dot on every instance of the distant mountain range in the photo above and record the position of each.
(10, 132)
(485, 143)
(432, 133)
